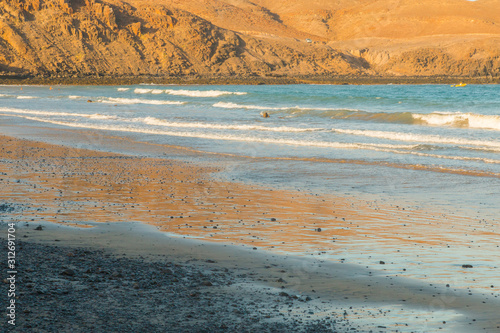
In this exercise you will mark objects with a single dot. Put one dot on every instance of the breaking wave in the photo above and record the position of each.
(444, 119)
(412, 137)
(202, 93)
(111, 100)
(230, 105)
(458, 119)
(188, 93)
(160, 122)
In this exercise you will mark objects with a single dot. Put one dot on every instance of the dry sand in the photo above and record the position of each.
(117, 203)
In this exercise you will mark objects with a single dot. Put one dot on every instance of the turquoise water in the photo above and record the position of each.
(416, 141)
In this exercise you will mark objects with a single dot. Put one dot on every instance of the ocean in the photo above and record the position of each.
(432, 148)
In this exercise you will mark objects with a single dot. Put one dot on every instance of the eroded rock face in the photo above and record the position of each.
(225, 38)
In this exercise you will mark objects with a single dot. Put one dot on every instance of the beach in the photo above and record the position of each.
(99, 221)
(253, 166)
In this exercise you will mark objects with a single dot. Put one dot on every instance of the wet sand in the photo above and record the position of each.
(136, 208)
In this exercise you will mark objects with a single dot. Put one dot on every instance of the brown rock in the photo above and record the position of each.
(136, 28)
(260, 38)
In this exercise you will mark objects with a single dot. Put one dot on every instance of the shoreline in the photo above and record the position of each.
(46, 183)
(143, 279)
(243, 80)
(280, 292)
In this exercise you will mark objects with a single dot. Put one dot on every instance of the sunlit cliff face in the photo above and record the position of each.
(261, 38)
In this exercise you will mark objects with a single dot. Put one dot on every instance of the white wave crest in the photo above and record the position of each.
(122, 89)
(142, 91)
(160, 122)
(229, 105)
(459, 119)
(26, 97)
(111, 100)
(410, 137)
(202, 93)
(56, 114)
(188, 93)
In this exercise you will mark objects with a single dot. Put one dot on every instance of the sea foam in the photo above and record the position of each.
(56, 114)
(111, 100)
(161, 122)
(459, 119)
(202, 93)
(411, 137)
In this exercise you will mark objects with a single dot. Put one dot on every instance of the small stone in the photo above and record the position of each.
(467, 266)
(68, 272)
(284, 294)
(207, 283)
(40, 227)
(382, 262)
(273, 219)
(117, 275)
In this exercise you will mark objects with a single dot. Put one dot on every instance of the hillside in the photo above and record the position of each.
(261, 38)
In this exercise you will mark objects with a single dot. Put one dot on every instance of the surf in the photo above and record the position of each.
(188, 93)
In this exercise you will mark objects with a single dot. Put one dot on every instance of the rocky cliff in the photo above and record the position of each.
(75, 38)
